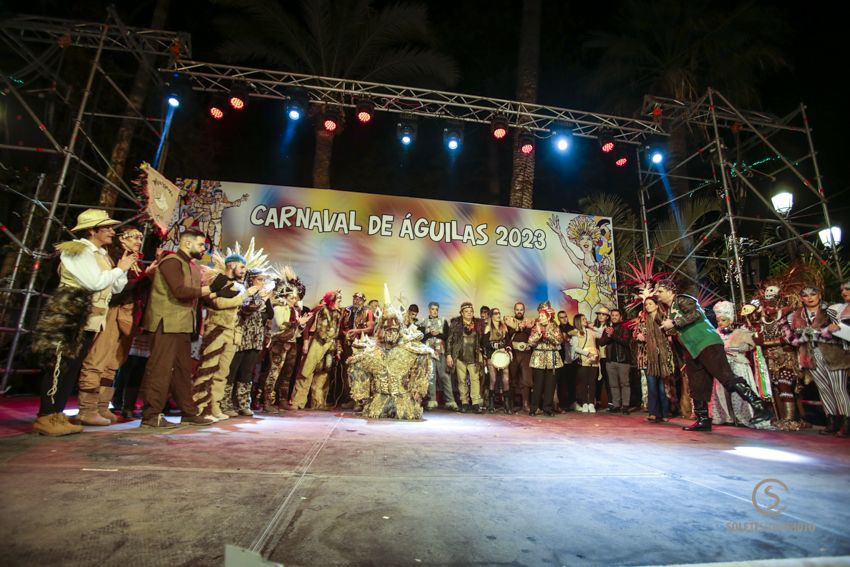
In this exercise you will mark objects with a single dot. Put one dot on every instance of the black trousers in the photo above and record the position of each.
(68, 376)
(543, 393)
(242, 367)
(710, 363)
(127, 381)
(567, 385)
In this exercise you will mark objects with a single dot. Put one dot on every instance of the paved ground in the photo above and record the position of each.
(319, 488)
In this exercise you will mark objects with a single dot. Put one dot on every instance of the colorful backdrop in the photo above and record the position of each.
(425, 250)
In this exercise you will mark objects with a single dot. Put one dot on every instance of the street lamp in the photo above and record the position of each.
(831, 235)
(783, 202)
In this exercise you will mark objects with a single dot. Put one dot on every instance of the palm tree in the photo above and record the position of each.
(127, 130)
(522, 181)
(677, 50)
(350, 39)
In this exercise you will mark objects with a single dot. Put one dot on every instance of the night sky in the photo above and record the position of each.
(483, 38)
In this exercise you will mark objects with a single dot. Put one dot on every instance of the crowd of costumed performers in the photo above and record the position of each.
(232, 337)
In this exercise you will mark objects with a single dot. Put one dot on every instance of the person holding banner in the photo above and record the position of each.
(464, 354)
(111, 346)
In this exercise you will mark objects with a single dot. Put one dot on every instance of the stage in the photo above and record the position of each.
(325, 488)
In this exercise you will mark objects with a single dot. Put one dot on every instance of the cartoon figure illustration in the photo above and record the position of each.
(202, 205)
(584, 234)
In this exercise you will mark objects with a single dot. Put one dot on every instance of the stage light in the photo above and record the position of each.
(606, 143)
(365, 110)
(562, 137)
(177, 89)
(526, 143)
(296, 104)
(655, 154)
(621, 160)
(834, 232)
(238, 97)
(216, 112)
(332, 120)
(499, 127)
(783, 202)
(406, 130)
(453, 136)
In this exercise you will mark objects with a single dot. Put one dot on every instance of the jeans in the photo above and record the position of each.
(659, 406)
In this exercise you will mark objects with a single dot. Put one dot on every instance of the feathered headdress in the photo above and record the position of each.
(642, 278)
(287, 281)
(583, 225)
(254, 259)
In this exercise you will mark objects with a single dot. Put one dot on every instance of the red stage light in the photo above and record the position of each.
(608, 147)
(526, 148)
(621, 162)
(238, 103)
(364, 116)
(329, 124)
(216, 112)
(500, 132)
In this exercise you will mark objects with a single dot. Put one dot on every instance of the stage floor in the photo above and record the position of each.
(323, 488)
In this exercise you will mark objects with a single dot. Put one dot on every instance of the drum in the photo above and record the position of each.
(500, 359)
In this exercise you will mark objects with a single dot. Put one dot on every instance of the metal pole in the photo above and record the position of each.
(45, 235)
(13, 277)
(727, 196)
(821, 193)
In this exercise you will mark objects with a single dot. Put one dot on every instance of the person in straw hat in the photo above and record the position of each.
(74, 315)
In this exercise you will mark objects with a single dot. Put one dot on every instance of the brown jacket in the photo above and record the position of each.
(174, 295)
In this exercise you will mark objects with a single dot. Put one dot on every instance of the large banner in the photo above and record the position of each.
(425, 250)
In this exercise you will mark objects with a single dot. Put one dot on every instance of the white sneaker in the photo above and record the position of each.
(590, 408)
(581, 408)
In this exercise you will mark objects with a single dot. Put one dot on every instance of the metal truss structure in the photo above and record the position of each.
(24, 34)
(755, 132)
(263, 83)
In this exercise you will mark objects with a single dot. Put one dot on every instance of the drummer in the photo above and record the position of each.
(494, 343)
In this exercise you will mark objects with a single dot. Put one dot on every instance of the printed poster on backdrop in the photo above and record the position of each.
(425, 250)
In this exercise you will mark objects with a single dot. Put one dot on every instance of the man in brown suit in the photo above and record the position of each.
(170, 316)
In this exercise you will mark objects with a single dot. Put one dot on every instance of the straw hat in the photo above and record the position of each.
(93, 218)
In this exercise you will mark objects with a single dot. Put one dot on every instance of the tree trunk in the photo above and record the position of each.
(322, 159)
(522, 182)
(121, 149)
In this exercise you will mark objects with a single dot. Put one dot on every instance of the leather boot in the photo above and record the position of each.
(526, 394)
(53, 425)
(832, 425)
(844, 430)
(490, 402)
(226, 404)
(88, 414)
(129, 402)
(243, 399)
(103, 400)
(509, 401)
(703, 422)
(760, 411)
